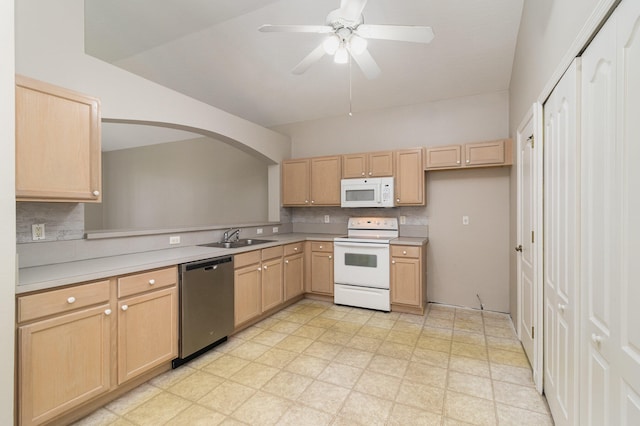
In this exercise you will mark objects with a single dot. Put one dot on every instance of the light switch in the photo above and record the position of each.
(465, 220)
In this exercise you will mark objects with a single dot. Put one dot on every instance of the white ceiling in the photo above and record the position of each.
(211, 50)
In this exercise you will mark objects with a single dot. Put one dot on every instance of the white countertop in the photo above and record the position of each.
(61, 274)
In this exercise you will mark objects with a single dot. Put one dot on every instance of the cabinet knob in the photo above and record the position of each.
(259, 268)
(468, 161)
(404, 252)
(286, 262)
(362, 173)
(321, 246)
(397, 200)
(107, 312)
(393, 262)
(330, 257)
(264, 267)
(152, 281)
(71, 299)
(458, 162)
(597, 339)
(561, 307)
(125, 307)
(96, 193)
(295, 249)
(370, 173)
(306, 201)
(312, 201)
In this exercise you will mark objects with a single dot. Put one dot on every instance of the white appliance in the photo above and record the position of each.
(369, 192)
(361, 263)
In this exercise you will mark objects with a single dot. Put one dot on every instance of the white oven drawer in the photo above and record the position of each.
(362, 297)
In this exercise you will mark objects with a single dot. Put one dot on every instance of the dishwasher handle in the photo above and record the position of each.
(207, 265)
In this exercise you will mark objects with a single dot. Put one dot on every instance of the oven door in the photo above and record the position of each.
(360, 194)
(361, 264)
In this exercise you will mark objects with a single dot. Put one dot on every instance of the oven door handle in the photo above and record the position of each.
(360, 245)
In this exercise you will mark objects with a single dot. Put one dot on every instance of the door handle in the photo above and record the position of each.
(519, 248)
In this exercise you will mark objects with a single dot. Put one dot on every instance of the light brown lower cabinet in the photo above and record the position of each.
(258, 283)
(69, 346)
(408, 279)
(293, 270)
(321, 274)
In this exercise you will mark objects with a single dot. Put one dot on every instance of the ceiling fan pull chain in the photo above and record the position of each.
(350, 94)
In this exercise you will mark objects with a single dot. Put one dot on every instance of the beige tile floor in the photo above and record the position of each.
(315, 363)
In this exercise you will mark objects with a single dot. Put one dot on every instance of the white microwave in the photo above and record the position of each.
(372, 192)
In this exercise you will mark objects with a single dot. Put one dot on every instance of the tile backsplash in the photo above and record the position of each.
(63, 221)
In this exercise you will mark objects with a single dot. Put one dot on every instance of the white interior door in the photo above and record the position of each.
(561, 302)
(610, 233)
(529, 287)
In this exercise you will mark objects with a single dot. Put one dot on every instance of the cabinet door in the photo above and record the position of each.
(405, 281)
(295, 182)
(293, 276)
(63, 362)
(325, 181)
(443, 157)
(322, 272)
(409, 178)
(354, 166)
(147, 332)
(247, 294)
(272, 286)
(57, 144)
(478, 154)
(380, 164)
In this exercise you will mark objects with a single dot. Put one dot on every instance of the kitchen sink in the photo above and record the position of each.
(245, 242)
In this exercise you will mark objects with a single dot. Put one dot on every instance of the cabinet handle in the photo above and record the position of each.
(561, 307)
(152, 281)
(107, 312)
(597, 339)
(71, 299)
(125, 307)
(96, 193)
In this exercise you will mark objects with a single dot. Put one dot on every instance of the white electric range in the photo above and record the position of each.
(361, 263)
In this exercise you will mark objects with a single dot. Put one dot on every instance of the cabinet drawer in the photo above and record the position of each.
(325, 246)
(294, 248)
(271, 252)
(63, 300)
(138, 283)
(248, 258)
(405, 251)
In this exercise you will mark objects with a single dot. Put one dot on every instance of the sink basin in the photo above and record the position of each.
(236, 244)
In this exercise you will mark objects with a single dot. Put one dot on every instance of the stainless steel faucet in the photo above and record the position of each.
(229, 234)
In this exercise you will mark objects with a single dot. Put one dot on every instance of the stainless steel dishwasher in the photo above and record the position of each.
(206, 306)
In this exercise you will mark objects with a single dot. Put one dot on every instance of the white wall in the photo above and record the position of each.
(7, 213)
(552, 33)
(196, 182)
(462, 260)
(50, 47)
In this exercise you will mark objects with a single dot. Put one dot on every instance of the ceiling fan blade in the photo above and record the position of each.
(413, 33)
(322, 29)
(309, 60)
(352, 9)
(367, 64)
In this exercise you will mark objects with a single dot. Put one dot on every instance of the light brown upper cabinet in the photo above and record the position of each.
(311, 181)
(372, 164)
(480, 154)
(57, 144)
(409, 177)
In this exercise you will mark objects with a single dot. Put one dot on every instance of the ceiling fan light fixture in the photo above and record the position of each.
(331, 44)
(357, 45)
(341, 56)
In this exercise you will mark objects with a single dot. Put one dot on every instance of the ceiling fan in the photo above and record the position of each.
(347, 34)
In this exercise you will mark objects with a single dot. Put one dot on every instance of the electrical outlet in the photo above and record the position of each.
(275, 229)
(259, 231)
(465, 220)
(327, 218)
(37, 231)
(403, 220)
(174, 239)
